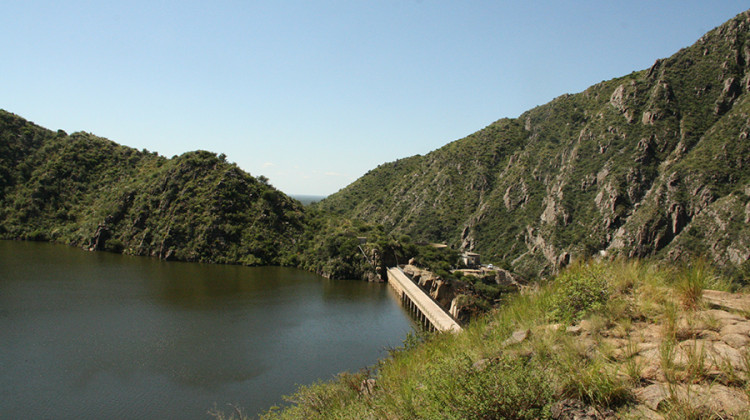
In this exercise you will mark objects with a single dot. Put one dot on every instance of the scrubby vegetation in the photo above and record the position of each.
(624, 338)
(87, 191)
(656, 162)
(90, 192)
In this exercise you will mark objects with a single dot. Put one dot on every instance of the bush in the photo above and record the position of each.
(510, 387)
(581, 290)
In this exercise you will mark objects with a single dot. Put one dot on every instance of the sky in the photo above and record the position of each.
(313, 94)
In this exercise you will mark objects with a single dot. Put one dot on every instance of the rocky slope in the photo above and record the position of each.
(88, 191)
(653, 163)
(602, 340)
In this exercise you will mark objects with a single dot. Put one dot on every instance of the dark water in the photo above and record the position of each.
(98, 335)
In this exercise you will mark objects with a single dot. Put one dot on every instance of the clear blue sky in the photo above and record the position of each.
(313, 94)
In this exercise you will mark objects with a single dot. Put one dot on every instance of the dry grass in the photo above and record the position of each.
(475, 375)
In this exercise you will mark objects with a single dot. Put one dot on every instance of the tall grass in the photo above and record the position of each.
(477, 374)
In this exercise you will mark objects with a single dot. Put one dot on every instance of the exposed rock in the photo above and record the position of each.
(649, 117)
(652, 396)
(574, 329)
(736, 341)
(715, 398)
(516, 195)
(571, 409)
(517, 337)
(367, 387)
(443, 293)
(619, 100)
(100, 238)
(723, 317)
(732, 301)
(739, 329)
(587, 176)
(563, 259)
(458, 311)
(506, 278)
(729, 94)
(481, 364)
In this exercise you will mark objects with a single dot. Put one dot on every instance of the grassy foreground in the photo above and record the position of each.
(623, 339)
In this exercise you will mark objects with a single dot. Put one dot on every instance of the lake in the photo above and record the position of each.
(100, 335)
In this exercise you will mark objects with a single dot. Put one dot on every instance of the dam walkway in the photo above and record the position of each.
(429, 313)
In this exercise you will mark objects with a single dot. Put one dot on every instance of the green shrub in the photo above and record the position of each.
(581, 290)
(510, 387)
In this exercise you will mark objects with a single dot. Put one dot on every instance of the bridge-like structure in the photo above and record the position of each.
(420, 304)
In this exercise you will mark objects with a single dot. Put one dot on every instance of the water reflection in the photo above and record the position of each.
(94, 335)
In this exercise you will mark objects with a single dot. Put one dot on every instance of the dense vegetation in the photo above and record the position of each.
(655, 162)
(90, 192)
(87, 191)
(601, 337)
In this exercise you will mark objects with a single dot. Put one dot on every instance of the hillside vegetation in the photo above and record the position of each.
(87, 191)
(653, 163)
(90, 192)
(602, 340)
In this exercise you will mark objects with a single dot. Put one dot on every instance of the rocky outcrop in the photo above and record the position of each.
(99, 239)
(711, 343)
(571, 409)
(440, 290)
(642, 165)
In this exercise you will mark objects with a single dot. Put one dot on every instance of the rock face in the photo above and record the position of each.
(576, 410)
(653, 163)
(440, 290)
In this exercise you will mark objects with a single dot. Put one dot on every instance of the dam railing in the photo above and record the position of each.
(420, 304)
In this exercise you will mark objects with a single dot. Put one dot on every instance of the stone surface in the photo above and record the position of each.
(367, 387)
(575, 329)
(742, 328)
(736, 340)
(652, 396)
(517, 337)
(481, 364)
(733, 301)
(723, 317)
(570, 409)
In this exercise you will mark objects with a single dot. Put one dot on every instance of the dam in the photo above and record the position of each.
(420, 304)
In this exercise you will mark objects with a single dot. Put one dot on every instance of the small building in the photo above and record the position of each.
(470, 259)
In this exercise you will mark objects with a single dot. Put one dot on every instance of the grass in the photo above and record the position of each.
(475, 375)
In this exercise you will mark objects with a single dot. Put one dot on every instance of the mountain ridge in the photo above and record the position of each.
(654, 163)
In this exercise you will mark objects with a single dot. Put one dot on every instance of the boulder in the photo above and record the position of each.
(571, 409)
(443, 293)
(517, 337)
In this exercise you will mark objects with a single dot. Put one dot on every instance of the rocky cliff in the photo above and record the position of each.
(655, 163)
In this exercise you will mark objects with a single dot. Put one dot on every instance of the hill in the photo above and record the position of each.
(608, 340)
(88, 191)
(654, 163)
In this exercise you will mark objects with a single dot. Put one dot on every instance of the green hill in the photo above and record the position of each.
(87, 191)
(653, 163)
